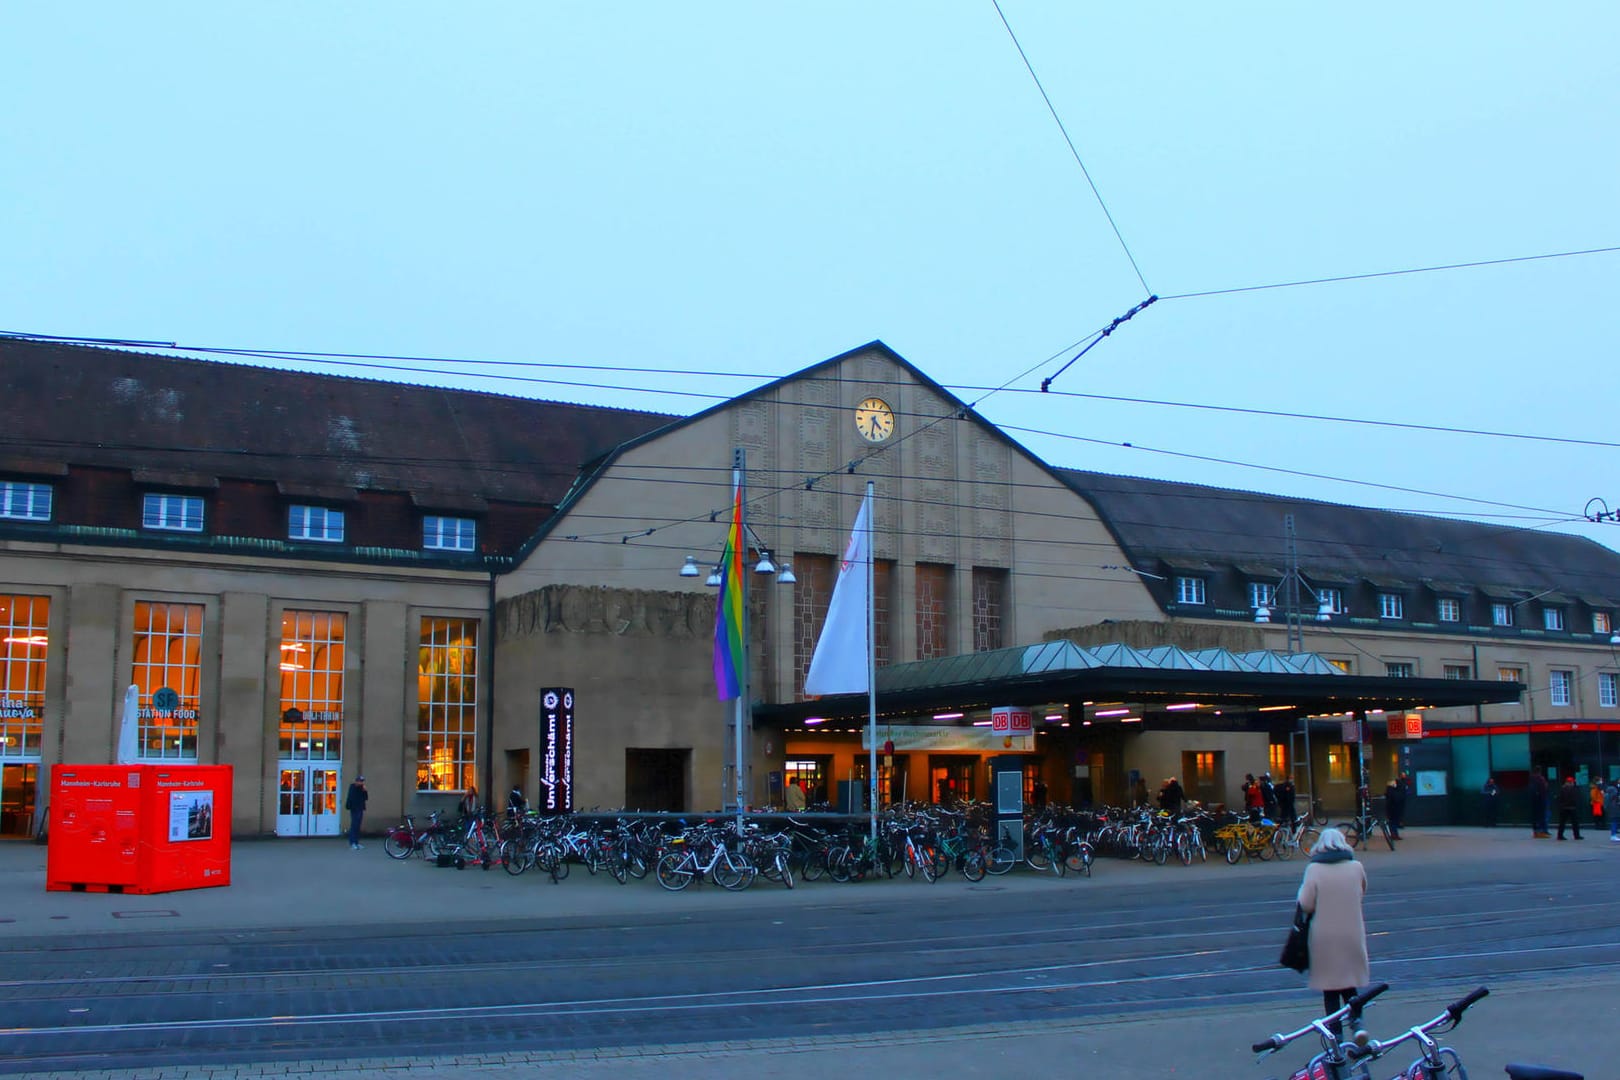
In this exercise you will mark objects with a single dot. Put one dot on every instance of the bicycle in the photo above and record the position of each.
(679, 867)
(1334, 1062)
(1359, 829)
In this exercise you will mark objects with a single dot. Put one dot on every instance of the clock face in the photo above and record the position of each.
(874, 419)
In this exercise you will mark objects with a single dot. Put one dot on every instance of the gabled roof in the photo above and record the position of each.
(195, 421)
(1182, 525)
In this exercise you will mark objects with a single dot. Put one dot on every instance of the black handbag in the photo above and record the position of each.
(1296, 951)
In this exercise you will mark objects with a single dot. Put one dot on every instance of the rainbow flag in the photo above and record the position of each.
(729, 655)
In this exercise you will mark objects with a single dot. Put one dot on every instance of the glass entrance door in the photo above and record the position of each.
(17, 799)
(307, 800)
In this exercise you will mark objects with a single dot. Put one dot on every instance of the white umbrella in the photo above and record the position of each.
(129, 727)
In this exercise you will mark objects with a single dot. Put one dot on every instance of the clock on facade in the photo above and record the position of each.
(874, 419)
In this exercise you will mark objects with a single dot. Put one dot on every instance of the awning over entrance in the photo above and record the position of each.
(1301, 683)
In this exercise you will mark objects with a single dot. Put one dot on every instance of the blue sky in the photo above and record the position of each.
(752, 188)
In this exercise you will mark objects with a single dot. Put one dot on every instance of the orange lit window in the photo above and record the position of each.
(311, 659)
(446, 704)
(1279, 760)
(1338, 763)
(24, 624)
(1203, 768)
(167, 670)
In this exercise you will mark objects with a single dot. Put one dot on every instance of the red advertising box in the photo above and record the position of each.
(139, 828)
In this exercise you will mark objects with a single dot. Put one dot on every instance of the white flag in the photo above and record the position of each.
(841, 661)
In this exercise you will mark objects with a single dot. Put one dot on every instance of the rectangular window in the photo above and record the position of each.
(1450, 610)
(1391, 606)
(1608, 689)
(1457, 671)
(1342, 665)
(168, 672)
(1333, 598)
(1202, 773)
(448, 533)
(989, 609)
(933, 610)
(315, 523)
(25, 626)
(1600, 622)
(1510, 674)
(1558, 686)
(1262, 594)
(312, 661)
(1279, 761)
(180, 513)
(1501, 614)
(446, 704)
(1189, 590)
(25, 502)
(1400, 669)
(1339, 762)
(1552, 618)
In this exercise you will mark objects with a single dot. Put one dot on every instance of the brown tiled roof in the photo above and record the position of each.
(200, 420)
(1179, 523)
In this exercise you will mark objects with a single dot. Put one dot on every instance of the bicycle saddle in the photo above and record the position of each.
(1540, 1072)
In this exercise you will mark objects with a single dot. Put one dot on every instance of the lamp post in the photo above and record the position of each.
(742, 535)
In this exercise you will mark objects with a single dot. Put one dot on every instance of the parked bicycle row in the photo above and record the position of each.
(917, 842)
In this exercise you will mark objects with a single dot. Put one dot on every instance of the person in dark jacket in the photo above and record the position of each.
(1268, 796)
(1395, 805)
(1538, 804)
(355, 804)
(1286, 805)
(1569, 806)
(1171, 796)
(1492, 793)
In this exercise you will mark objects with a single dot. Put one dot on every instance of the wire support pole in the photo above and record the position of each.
(1046, 383)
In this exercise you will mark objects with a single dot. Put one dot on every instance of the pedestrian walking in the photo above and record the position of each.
(1395, 805)
(1611, 809)
(1287, 806)
(1569, 807)
(1539, 804)
(1596, 795)
(1493, 795)
(1171, 796)
(355, 804)
(1331, 894)
(1037, 793)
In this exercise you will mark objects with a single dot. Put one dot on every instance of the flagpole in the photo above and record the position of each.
(737, 470)
(871, 669)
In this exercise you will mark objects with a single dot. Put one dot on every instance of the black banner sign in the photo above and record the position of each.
(557, 750)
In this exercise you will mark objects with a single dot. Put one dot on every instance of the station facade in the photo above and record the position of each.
(312, 577)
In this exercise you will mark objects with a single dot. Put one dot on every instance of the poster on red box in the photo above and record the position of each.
(191, 816)
(1009, 720)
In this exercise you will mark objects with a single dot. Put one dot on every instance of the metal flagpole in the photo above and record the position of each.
(871, 666)
(737, 471)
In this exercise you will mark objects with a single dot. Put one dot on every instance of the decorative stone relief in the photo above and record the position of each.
(578, 609)
(991, 501)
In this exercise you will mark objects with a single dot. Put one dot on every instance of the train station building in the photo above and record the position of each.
(311, 577)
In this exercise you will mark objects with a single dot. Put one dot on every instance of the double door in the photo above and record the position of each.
(307, 800)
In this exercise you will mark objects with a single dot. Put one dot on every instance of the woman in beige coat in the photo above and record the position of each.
(1331, 892)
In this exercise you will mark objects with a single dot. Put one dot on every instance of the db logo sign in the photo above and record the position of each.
(1007, 720)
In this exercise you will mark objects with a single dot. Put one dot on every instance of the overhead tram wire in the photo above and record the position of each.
(1029, 67)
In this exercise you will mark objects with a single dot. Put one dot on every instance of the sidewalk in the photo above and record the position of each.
(298, 884)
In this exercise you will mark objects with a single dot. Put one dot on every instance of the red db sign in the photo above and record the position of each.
(1008, 720)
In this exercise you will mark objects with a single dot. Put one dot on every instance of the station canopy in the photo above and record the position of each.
(1205, 680)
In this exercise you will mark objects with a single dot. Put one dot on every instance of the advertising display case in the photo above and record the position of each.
(139, 828)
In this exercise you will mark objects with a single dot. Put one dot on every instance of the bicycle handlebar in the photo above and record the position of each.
(1451, 1016)
(1354, 1005)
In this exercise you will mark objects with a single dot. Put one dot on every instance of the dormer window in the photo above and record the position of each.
(1450, 609)
(315, 523)
(449, 533)
(1501, 614)
(1391, 606)
(1189, 590)
(176, 513)
(1262, 594)
(1601, 623)
(25, 502)
(1552, 618)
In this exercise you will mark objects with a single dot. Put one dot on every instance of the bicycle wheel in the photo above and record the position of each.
(674, 871)
(636, 865)
(815, 865)
(1037, 858)
(1283, 842)
(1161, 851)
(973, 866)
(733, 873)
(1389, 837)
(1000, 861)
(1234, 852)
(1308, 838)
(514, 857)
(1352, 834)
(1184, 852)
(928, 864)
(840, 864)
(1059, 866)
(910, 861)
(399, 843)
(784, 871)
(549, 857)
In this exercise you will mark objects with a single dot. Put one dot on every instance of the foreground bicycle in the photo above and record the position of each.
(1352, 1060)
